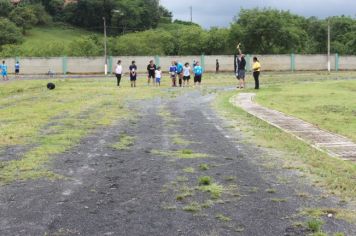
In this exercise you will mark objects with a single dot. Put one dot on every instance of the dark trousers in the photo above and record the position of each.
(256, 76)
(118, 77)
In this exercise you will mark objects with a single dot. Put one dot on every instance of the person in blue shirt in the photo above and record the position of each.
(173, 73)
(180, 73)
(17, 69)
(4, 71)
(198, 73)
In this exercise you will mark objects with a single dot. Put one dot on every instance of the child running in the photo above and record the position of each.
(186, 75)
(158, 74)
(198, 73)
(133, 74)
(173, 73)
(4, 71)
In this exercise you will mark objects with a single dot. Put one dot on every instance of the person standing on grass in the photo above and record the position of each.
(151, 68)
(173, 73)
(256, 72)
(186, 74)
(17, 69)
(118, 72)
(133, 74)
(158, 74)
(241, 67)
(4, 71)
(180, 73)
(217, 68)
(198, 73)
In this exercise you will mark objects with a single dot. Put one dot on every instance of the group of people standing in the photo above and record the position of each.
(3, 68)
(241, 70)
(176, 72)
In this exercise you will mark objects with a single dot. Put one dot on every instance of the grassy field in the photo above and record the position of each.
(335, 175)
(49, 122)
(331, 105)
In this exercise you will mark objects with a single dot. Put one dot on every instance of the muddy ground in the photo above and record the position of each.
(136, 191)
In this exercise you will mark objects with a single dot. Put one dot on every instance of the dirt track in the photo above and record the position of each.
(134, 192)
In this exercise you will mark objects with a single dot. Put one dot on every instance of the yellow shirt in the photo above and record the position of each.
(256, 66)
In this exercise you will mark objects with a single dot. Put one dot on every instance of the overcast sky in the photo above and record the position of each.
(221, 12)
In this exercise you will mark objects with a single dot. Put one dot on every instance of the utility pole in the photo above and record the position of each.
(191, 14)
(329, 39)
(105, 48)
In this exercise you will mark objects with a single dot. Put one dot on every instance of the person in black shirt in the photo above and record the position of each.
(133, 74)
(241, 67)
(217, 66)
(151, 68)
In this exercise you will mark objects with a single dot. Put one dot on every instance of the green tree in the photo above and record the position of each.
(5, 8)
(23, 16)
(10, 33)
(271, 31)
(217, 41)
(85, 46)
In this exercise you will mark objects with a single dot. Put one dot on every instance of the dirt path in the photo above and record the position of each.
(148, 190)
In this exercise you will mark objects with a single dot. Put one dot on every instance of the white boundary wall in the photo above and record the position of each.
(95, 65)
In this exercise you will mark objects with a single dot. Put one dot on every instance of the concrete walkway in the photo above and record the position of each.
(333, 144)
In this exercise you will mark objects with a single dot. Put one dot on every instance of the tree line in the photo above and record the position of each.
(143, 27)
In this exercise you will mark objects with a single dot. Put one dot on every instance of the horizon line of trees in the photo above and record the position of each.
(261, 31)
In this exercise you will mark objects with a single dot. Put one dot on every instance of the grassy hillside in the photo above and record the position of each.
(50, 40)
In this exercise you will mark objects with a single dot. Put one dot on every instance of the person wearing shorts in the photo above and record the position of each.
(118, 72)
(158, 76)
(151, 68)
(4, 71)
(17, 69)
(241, 68)
(173, 74)
(180, 73)
(133, 74)
(186, 75)
(198, 73)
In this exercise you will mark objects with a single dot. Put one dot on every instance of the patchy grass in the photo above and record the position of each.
(315, 225)
(338, 213)
(335, 175)
(125, 142)
(178, 140)
(180, 154)
(223, 218)
(271, 190)
(193, 207)
(205, 180)
(214, 189)
(189, 170)
(204, 167)
(51, 122)
(279, 200)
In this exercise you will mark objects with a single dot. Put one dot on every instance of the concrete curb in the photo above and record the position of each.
(333, 144)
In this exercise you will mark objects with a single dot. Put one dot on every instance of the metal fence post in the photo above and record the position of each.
(337, 62)
(292, 62)
(202, 61)
(64, 65)
(157, 60)
(248, 62)
(110, 64)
